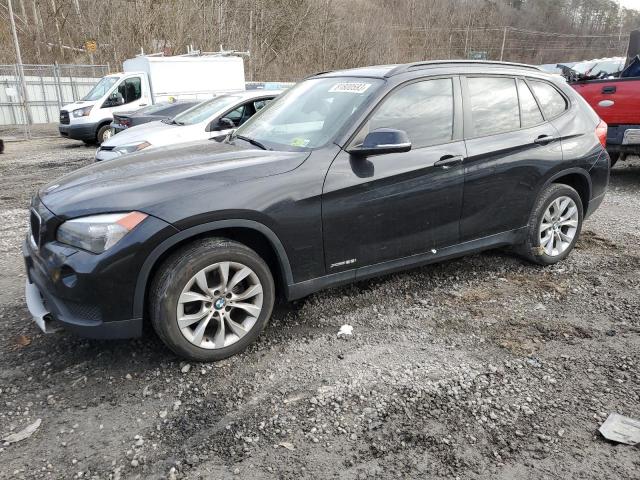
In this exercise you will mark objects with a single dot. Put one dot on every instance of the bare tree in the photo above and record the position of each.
(289, 39)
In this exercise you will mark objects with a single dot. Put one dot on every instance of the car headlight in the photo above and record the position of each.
(98, 233)
(135, 147)
(82, 112)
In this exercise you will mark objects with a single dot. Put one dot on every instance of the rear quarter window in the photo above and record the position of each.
(551, 101)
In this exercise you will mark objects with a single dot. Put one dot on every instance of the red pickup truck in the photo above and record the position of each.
(617, 101)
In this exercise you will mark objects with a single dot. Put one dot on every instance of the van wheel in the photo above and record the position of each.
(554, 225)
(104, 134)
(211, 299)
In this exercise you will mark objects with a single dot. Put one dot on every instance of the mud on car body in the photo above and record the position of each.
(348, 175)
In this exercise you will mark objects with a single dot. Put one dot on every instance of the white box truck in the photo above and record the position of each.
(147, 80)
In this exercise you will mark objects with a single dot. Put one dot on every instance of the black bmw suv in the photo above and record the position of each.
(348, 175)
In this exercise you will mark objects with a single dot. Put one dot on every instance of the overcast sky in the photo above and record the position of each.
(635, 4)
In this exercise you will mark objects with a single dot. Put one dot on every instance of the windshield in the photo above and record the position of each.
(205, 110)
(101, 88)
(310, 114)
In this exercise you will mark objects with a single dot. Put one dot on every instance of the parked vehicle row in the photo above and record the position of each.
(347, 175)
(211, 119)
(151, 113)
(147, 80)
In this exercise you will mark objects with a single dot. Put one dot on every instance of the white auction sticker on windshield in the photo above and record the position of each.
(350, 87)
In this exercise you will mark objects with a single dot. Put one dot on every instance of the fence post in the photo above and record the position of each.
(44, 98)
(20, 73)
(74, 91)
(56, 80)
(504, 39)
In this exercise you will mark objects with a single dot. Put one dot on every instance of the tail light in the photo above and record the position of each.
(601, 133)
(127, 123)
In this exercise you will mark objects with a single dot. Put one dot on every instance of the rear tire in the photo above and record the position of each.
(192, 282)
(614, 156)
(554, 225)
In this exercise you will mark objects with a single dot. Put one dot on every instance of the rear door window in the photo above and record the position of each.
(551, 101)
(424, 110)
(494, 105)
(529, 110)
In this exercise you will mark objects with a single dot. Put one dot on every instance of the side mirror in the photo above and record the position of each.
(223, 123)
(382, 140)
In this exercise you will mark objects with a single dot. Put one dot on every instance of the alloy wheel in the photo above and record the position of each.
(219, 305)
(107, 135)
(559, 226)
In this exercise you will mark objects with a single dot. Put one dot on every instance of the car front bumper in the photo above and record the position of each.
(89, 294)
(84, 131)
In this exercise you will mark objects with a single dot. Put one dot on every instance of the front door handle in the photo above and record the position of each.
(544, 139)
(609, 89)
(448, 161)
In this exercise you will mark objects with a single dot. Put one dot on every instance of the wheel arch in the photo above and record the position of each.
(576, 178)
(255, 235)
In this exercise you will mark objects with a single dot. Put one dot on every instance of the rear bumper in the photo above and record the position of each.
(594, 204)
(623, 138)
(599, 173)
(85, 131)
(117, 128)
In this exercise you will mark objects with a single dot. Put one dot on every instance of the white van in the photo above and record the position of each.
(147, 80)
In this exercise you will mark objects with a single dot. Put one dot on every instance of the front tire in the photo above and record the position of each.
(211, 299)
(554, 225)
(104, 134)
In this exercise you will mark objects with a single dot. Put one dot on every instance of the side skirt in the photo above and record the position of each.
(302, 289)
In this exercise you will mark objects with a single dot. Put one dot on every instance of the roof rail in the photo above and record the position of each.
(317, 73)
(429, 63)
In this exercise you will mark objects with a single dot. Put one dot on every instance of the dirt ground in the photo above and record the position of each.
(484, 367)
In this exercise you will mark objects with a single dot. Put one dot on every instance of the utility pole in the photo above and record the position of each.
(23, 83)
(250, 45)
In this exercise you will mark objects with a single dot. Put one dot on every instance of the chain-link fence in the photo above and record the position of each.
(508, 44)
(48, 88)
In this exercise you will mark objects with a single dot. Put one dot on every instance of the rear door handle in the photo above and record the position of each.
(448, 161)
(544, 139)
(609, 89)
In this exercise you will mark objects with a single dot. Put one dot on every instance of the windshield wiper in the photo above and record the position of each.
(251, 141)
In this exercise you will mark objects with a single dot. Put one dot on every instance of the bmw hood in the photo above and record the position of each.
(147, 180)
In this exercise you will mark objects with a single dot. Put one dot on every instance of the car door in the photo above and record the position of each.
(385, 207)
(509, 146)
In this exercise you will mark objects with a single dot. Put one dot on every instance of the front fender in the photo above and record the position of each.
(145, 272)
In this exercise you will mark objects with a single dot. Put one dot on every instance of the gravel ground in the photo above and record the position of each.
(482, 367)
